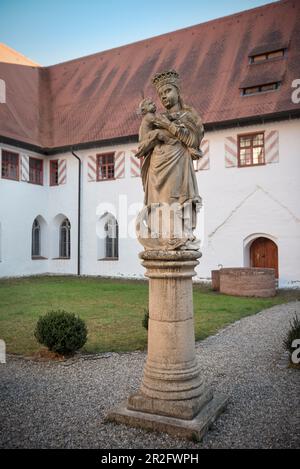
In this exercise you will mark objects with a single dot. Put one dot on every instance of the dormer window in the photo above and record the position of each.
(260, 89)
(258, 58)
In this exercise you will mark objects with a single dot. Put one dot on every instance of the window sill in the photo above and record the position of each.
(251, 165)
(10, 179)
(35, 183)
(107, 179)
(108, 259)
(38, 258)
(61, 258)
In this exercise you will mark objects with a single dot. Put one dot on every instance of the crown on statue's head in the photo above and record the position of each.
(170, 77)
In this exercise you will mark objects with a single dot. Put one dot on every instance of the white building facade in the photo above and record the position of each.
(70, 185)
(240, 205)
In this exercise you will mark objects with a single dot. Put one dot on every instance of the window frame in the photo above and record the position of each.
(17, 165)
(36, 231)
(260, 89)
(51, 172)
(67, 244)
(111, 242)
(252, 135)
(42, 171)
(267, 55)
(99, 156)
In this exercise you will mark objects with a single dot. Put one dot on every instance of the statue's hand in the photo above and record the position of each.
(196, 154)
(162, 123)
(140, 152)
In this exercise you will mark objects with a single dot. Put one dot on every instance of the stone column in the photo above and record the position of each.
(172, 396)
(172, 383)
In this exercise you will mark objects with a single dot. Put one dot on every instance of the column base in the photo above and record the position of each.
(192, 429)
(185, 409)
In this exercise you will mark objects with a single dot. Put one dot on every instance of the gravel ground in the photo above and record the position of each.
(63, 404)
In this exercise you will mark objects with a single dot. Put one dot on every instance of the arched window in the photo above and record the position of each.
(64, 239)
(36, 239)
(112, 238)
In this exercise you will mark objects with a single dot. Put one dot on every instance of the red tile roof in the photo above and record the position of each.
(94, 98)
(263, 73)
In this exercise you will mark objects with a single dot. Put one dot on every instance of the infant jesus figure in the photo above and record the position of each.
(150, 135)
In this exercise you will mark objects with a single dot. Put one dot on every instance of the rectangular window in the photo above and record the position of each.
(252, 90)
(36, 171)
(267, 56)
(105, 166)
(275, 54)
(261, 89)
(54, 173)
(259, 58)
(251, 149)
(10, 165)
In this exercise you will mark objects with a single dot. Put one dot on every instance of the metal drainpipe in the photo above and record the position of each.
(79, 212)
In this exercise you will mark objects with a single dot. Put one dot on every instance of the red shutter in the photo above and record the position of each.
(272, 146)
(231, 152)
(120, 164)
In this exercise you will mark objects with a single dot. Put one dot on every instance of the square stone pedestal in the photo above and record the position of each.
(193, 429)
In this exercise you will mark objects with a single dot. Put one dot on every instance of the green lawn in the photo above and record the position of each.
(112, 309)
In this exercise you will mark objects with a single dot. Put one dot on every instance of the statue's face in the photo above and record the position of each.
(150, 106)
(168, 95)
(147, 106)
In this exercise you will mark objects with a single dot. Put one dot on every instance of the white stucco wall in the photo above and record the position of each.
(21, 202)
(239, 204)
(261, 200)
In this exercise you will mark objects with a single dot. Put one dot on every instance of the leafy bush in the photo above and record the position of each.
(61, 332)
(145, 320)
(293, 333)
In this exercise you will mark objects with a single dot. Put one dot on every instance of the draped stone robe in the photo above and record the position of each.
(168, 173)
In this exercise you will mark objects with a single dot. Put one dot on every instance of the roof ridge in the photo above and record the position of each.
(18, 54)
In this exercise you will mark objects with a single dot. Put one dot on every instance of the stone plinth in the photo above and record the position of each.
(252, 281)
(172, 389)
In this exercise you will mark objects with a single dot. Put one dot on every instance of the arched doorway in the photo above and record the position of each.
(264, 253)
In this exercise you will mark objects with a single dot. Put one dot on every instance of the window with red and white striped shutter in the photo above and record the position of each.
(58, 172)
(271, 148)
(118, 170)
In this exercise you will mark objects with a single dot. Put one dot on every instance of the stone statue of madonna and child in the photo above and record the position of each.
(168, 144)
(173, 396)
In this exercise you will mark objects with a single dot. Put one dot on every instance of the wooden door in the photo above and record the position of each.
(264, 253)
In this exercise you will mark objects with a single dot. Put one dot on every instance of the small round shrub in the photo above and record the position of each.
(145, 320)
(293, 333)
(61, 332)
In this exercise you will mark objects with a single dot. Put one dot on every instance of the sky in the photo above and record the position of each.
(54, 31)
